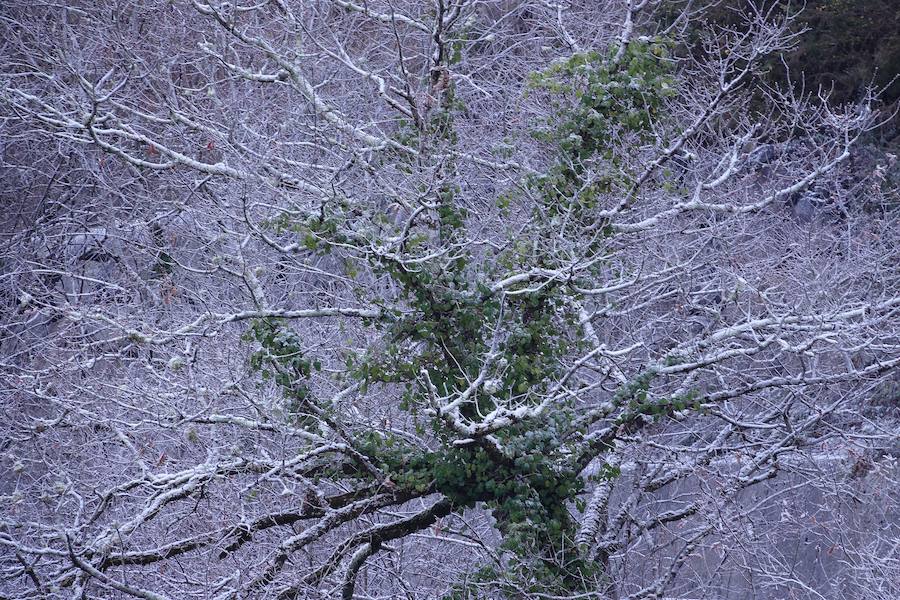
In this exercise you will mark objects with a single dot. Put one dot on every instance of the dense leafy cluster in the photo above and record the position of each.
(281, 359)
(597, 99)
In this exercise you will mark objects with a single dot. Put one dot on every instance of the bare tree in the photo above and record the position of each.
(459, 298)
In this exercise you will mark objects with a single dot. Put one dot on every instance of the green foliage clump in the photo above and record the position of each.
(595, 101)
(281, 359)
(527, 489)
(596, 97)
